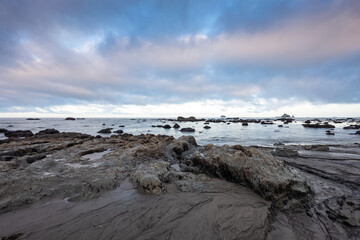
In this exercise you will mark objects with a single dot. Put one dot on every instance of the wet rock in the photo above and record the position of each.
(19, 134)
(121, 125)
(308, 121)
(280, 126)
(344, 209)
(105, 130)
(357, 132)
(3, 130)
(245, 124)
(70, 119)
(266, 175)
(279, 144)
(4, 167)
(32, 119)
(119, 131)
(318, 125)
(352, 127)
(167, 126)
(176, 126)
(189, 119)
(13, 236)
(207, 127)
(317, 147)
(48, 131)
(267, 122)
(187, 130)
(285, 152)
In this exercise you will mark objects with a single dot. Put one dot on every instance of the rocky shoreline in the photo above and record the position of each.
(71, 185)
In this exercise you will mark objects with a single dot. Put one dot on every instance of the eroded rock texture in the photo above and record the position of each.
(158, 187)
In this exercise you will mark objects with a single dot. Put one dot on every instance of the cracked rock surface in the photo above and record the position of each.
(75, 186)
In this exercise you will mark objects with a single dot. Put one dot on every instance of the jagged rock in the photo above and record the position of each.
(19, 134)
(105, 130)
(176, 126)
(268, 176)
(187, 130)
(47, 131)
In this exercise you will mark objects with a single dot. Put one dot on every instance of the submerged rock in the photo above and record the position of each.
(187, 130)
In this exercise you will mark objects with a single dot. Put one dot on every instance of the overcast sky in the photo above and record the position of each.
(129, 58)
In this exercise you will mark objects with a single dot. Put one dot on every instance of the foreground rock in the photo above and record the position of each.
(157, 187)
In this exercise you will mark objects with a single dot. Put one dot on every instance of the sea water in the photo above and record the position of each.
(219, 133)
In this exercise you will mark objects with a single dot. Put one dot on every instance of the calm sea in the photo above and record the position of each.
(220, 133)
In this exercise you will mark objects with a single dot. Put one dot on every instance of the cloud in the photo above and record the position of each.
(136, 53)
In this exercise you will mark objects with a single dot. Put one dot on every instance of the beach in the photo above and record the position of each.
(79, 186)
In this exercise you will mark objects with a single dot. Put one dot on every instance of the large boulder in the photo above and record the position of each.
(266, 175)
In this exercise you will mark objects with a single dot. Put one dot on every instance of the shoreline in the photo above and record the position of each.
(291, 183)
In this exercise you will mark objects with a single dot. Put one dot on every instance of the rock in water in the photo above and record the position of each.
(70, 118)
(176, 126)
(3, 130)
(18, 134)
(187, 130)
(105, 130)
(48, 131)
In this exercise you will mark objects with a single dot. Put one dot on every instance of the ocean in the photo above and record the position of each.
(218, 134)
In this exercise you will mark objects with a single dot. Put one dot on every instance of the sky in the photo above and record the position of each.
(132, 58)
